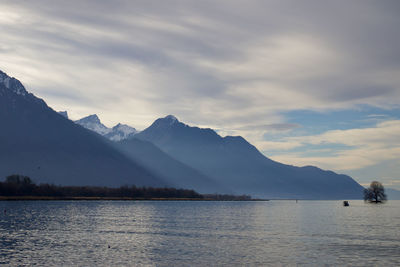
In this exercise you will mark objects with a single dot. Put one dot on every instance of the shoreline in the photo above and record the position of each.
(34, 198)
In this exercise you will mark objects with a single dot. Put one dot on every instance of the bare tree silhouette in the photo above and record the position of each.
(375, 193)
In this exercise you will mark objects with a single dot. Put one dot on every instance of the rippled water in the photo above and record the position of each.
(184, 233)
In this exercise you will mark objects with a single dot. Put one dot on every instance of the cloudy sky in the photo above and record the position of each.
(307, 82)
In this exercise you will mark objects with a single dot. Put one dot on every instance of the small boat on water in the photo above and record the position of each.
(346, 203)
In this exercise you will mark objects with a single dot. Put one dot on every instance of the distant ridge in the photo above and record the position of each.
(239, 166)
(393, 194)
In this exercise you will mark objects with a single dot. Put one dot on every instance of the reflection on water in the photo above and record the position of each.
(199, 233)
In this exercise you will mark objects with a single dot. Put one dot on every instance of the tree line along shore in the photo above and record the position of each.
(19, 187)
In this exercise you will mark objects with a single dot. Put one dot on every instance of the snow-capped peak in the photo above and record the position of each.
(124, 128)
(93, 123)
(116, 133)
(12, 84)
(120, 132)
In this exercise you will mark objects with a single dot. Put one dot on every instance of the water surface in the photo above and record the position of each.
(194, 233)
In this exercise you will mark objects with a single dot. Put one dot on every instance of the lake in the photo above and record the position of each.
(199, 233)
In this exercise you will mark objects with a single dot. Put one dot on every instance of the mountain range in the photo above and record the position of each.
(38, 142)
(241, 168)
(46, 145)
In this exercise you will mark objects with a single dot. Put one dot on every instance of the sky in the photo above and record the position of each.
(307, 82)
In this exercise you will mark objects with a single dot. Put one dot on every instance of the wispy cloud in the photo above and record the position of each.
(369, 146)
(203, 62)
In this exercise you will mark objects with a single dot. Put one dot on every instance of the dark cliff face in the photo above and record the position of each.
(38, 142)
(239, 166)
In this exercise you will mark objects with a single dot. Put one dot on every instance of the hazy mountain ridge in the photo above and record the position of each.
(147, 154)
(38, 142)
(392, 194)
(172, 170)
(238, 165)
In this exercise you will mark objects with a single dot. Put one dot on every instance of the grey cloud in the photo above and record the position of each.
(272, 126)
(283, 126)
(170, 38)
(366, 91)
(348, 90)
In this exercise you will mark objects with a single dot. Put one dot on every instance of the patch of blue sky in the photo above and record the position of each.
(313, 122)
